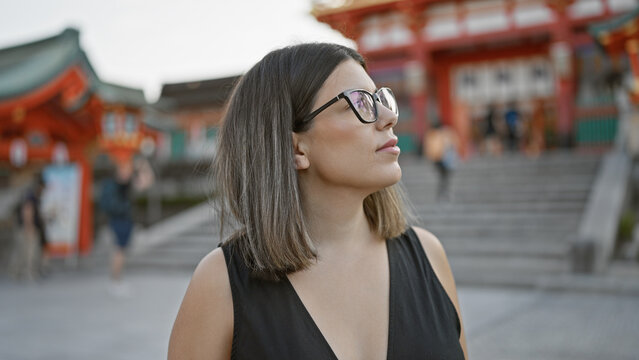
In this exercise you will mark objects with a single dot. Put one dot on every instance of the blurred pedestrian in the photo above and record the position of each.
(513, 124)
(323, 265)
(31, 256)
(116, 203)
(491, 143)
(441, 149)
(536, 130)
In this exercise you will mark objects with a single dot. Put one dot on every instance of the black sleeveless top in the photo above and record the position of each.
(271, 322)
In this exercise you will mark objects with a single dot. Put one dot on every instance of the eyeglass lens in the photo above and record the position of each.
(388, 100)
(365, 104)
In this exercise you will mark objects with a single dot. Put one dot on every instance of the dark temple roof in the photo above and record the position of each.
(26, 67)
(213, 92)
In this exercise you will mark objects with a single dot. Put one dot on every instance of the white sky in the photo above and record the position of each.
(143, 44)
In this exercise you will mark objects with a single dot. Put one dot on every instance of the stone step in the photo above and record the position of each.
(487, 231)
(518, 194)
(208, 243)
(183, 251)
(550, 207)
(517, 167)
(569, 159)
(529, 185)
(498, 226)
(542, 265)
(505, 271)
(183, 256)
(518, 164)
(499, 219)
(514, 161)
(193, 239)
(505, 247)
(496, 197)
(202, 231)
(499, 278)
(549, 155)
(543, 185)
(502, 205)
(165, 263)
(515, 171)
(431, 199)
(528, 237)
(521, 179)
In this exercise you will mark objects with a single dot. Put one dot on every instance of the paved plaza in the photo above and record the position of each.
(72, 315)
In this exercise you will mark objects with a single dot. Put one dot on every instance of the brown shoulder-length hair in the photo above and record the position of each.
(254, 170)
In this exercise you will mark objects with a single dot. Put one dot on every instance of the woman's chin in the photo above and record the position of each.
(391, 178)
(395, 181)
(396, 174)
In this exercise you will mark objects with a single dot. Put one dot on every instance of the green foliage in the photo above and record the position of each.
(626, 225)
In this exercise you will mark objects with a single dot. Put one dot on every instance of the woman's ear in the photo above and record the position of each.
(299, 151)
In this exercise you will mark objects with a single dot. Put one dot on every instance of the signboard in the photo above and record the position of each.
(61, 206)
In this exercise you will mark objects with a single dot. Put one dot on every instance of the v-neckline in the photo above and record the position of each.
(309, 319)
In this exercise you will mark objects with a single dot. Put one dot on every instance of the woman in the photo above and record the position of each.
(306, 165)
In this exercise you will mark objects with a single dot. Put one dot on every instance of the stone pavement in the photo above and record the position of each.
(525, 324)
(71, 315)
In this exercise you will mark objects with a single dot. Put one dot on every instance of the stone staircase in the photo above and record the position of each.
(509, 219)
(508, 222)
(183, 251)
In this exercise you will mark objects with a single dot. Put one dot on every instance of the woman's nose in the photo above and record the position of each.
(385, 117)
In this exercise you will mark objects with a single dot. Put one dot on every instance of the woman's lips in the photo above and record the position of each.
(390, 146)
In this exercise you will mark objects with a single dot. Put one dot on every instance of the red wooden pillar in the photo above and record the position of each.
(561, 53)
(417, 69)
(85, 221)
(85, 240)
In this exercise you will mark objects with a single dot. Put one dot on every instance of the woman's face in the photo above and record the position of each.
(340, 150)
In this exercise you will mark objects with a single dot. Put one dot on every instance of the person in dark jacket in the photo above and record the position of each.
(512, 118)
(116, 203)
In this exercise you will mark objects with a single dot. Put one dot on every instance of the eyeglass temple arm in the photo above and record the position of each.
(310, 116)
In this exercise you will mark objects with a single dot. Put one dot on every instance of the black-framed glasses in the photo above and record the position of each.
(363, 104)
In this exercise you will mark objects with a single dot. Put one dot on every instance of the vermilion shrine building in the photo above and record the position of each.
(450, 59)
(54, 109)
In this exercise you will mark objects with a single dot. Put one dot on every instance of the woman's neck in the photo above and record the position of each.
(335, 220)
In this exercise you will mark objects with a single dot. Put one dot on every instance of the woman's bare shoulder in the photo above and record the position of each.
(429, 241)
(203, 327)
(211, 272)
(436, 256)
(439, 262)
